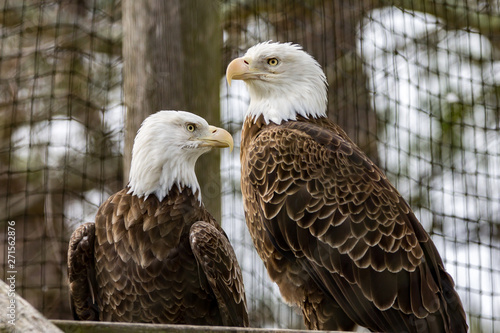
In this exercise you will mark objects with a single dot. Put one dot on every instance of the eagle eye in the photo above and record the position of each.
(272, 61)
(191, 127)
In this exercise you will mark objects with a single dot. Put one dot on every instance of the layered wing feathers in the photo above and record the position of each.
(217, 260)
(139, 261)
(321, 199)
(81, 273)
(145, 268)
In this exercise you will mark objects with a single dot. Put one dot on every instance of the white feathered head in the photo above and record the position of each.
(283, 81)
(166, 149)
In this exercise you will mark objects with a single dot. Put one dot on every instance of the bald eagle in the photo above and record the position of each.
(155, 254)
(333, 232)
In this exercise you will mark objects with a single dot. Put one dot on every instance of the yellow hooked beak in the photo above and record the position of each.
(238, 69)
(218, 138)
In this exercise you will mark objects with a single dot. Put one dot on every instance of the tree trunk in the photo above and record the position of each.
(172, 55)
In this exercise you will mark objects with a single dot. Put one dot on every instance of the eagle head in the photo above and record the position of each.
(283, 81)
(166, 149)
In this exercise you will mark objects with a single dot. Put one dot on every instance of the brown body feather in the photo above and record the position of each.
(337, 237)
(157, 262)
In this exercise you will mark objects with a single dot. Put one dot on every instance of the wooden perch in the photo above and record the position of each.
(17, 315)
(105, 327)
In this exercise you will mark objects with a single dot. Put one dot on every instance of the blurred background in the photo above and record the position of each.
(416, 83)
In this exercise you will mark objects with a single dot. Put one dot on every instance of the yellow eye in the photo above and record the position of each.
(191, 127)
(272, 61)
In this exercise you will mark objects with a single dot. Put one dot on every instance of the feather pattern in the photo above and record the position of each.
(217, 260)
(146, 254)
(81, 273)
(336, 236)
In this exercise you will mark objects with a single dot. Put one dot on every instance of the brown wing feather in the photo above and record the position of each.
(217, 259)
(327, 208)
(81, 273)
(146, 270)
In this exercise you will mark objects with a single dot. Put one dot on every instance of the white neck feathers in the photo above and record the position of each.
(284, 106)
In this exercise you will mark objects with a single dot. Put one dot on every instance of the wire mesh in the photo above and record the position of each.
(415, 83)
(61, 122)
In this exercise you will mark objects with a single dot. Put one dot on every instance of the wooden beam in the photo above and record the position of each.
(106, 327)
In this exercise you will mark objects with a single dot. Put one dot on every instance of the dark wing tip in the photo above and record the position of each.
(81, 273)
